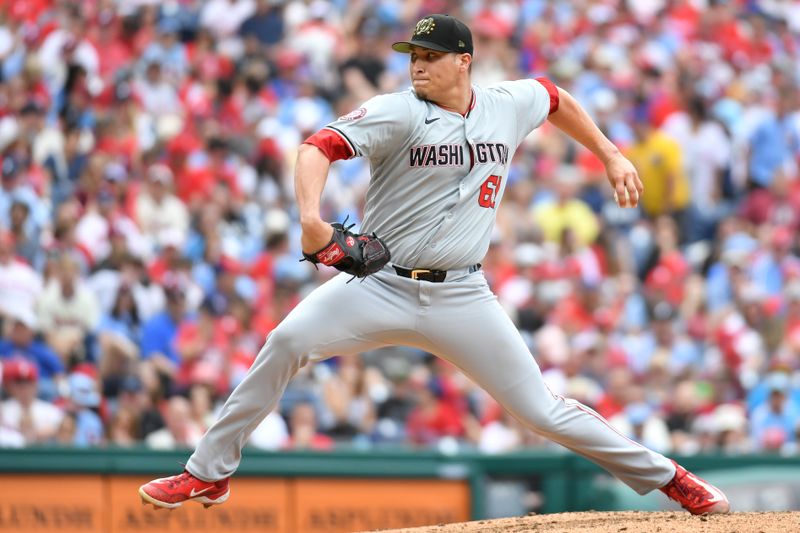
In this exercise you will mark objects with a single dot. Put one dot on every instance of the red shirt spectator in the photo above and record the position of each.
(433, 419)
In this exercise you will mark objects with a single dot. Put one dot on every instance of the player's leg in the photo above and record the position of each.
(481, 339)
(336, 319)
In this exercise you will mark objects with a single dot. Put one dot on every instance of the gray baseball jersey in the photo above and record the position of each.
(438, 176)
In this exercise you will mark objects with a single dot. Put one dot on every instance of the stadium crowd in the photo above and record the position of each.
(149, 239)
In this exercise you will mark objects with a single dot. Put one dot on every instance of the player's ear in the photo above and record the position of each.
(464, 62)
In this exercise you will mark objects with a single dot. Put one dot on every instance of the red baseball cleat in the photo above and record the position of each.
(171, 492)
(694, 494)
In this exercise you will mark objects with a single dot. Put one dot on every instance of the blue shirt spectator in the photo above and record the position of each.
(266, 24)
(770, 149)
(159, 333)
(22, 342)
(46, 359)
(774, 423)
(158, 336)
(85, 397)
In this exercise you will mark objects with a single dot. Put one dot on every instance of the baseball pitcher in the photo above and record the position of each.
(440, 155)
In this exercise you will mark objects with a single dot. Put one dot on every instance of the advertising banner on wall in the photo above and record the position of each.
(31, 503)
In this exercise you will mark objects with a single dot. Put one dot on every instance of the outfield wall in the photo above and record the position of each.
(87, 491)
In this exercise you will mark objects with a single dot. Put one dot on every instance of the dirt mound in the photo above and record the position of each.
(627, 522)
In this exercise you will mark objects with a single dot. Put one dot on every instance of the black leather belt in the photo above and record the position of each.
(426, 274)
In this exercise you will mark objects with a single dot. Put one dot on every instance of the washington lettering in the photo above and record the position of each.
(436, 155)
(491, 153)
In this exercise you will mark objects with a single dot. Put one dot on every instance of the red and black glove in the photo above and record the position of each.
(355, 253)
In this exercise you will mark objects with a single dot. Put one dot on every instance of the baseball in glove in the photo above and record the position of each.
(355, 253)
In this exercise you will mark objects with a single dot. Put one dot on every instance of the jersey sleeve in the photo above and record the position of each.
(376, 128)
(533, 101)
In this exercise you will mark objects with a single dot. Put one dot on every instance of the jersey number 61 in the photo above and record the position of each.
(488, 193)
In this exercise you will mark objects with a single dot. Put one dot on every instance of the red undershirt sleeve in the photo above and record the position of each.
(332, 144)
(552, 90)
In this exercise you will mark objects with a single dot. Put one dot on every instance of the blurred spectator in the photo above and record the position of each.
(159, 98)
(180, 430)
(432, 419)
(159, 213)
(266, 24)
(706, 157)
(19, 282)
(566, 212)
(105, 220)
(25, 235)
(774, 423)
(20, 341)
(619, 382)
(83, 401)
(349, 396)
(504, 434)
(224, 17)
(123, 429)
(730, 425)
(270, 434)
(161, 359)
(35, 419)
(662, 346)
(167, 50)
(68, 312)
(641, 423)
(118, 334)
(67, 430)
(303, 430)
(658, 159)
(775, 143)
(19, 184)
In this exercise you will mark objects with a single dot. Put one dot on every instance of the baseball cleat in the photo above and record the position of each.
(171, 492)
(696, 495)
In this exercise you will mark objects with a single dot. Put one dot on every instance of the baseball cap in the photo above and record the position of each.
(439, 32)
(24, 315)
(19, 369)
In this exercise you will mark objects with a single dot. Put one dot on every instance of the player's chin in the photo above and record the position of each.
(421, 88)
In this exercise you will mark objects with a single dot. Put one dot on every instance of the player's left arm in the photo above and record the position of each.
(572, 119)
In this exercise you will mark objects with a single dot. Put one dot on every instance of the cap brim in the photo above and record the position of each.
(405, 46)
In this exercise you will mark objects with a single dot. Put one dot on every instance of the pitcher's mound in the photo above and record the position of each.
(627, 522)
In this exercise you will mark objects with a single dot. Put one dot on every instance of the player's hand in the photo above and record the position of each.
(357, 254)
(625, 180)
(316, 235)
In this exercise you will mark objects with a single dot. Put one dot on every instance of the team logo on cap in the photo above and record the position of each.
(425, 25)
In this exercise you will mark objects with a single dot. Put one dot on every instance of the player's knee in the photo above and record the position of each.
(539, 421)
(283, 344)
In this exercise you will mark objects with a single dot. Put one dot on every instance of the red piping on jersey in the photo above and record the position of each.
(332, 144)
(578, 405)
(552, 90)
(471, 106)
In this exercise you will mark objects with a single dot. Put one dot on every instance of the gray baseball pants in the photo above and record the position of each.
(458, 320)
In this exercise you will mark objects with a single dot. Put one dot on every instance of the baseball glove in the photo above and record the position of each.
(355, 253)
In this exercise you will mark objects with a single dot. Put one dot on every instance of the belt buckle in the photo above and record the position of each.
(417, 271)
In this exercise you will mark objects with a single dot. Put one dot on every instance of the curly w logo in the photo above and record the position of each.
(425, 25)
